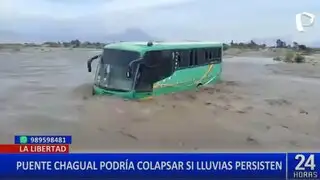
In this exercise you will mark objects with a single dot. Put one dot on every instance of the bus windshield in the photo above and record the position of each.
(111, 72)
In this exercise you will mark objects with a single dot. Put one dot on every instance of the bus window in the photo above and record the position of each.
(195, 55)
(143, 84)
(167, 64)
(206, 56)
(191, 57)
(202, 57)
(219, 54)
(185, 58)
(215, 55)
(210, 51)
(159, 64)
(152, 58)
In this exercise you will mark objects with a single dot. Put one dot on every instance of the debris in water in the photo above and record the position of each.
(302, 111)
(278, 102)
(269, 114)
(129, 135)
(251, 140)
(241, 111)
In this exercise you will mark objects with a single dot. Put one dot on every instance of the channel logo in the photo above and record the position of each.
(299, 20)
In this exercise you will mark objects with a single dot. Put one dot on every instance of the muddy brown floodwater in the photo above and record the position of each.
(258, 106)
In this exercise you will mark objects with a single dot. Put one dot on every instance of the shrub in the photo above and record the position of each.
(294, 57)
(277, 58)
(289, 57)
(298, 58)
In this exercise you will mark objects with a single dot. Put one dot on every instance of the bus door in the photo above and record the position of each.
(156, 65)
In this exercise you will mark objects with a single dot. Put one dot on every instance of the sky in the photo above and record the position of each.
(216, 20)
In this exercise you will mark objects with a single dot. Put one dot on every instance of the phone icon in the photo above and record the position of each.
(23, 140)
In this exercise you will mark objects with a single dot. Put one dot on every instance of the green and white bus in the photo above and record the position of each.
(138, 70)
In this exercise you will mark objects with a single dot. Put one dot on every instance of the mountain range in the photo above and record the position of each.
(131, 34)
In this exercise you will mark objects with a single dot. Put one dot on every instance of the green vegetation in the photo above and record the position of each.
(72, 44)
(294, 53)
(75, 44)
(291, 57)
(250, 45)
(290, 53)
(294, 57)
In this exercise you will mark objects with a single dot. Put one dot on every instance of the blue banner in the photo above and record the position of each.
(303, 165)
(147, 165)
(24, 139)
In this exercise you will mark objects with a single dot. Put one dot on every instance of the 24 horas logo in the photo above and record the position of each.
(300, 24)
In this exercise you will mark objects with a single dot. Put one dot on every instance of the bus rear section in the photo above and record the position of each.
(192, 68)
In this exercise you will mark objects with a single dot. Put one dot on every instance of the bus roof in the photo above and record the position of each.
(143, 46)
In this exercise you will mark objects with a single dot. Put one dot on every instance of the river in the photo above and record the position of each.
(259, 106)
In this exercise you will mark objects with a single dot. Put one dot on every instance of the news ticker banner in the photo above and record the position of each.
(38, 144)
(168, 165)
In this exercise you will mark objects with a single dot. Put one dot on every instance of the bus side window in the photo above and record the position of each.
(185, 58)
(196, 57)
(206, 56)
(158, 65)
(151, 58)
(210, 51)
(191, 57)
(142, 82)
(219, 55)
(202, 56)
(216, 55)
(167, 64)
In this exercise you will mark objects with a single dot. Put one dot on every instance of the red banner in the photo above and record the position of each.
(39, 148)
